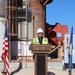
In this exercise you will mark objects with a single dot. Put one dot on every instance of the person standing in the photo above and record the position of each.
(40, 39)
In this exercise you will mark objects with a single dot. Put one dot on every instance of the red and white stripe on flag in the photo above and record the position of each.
(5, 56)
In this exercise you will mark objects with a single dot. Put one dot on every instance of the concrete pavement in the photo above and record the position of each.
(27, 68)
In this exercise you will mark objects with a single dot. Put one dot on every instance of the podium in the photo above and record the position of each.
(40, 52)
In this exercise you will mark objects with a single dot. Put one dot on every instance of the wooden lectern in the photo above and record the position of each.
(40, 52)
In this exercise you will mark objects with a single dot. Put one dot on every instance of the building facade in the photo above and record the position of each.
(55, 34)
(24, 17)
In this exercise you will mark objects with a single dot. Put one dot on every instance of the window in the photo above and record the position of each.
(59, 34)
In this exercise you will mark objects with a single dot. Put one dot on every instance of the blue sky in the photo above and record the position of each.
(62, 11)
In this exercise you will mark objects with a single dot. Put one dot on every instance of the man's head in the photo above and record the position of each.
(40, 32)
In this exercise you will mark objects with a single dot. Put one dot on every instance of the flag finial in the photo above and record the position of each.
(72, 25)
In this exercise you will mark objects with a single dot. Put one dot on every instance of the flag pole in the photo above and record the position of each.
(70, 52)
(4, 72)
(5, 52)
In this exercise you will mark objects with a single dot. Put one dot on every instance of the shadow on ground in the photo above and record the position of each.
(17, 70)
(51, 73)
(20, 67)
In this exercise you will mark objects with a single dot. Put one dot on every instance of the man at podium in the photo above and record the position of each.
(40, 49)
(40, 39)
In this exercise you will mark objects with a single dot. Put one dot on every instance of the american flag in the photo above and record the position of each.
(70, 50)
(5, 56)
